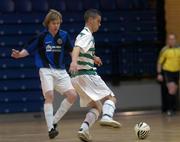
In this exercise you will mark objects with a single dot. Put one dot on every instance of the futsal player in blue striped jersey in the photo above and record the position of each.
(49, 49)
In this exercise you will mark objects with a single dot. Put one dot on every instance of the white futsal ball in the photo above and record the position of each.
(142, 130)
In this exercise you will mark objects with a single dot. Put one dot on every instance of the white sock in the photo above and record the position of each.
(64, 107)
(48, 111)
(90, 119)
(108, 109)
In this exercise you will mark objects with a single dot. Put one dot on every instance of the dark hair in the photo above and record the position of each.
(91, 13)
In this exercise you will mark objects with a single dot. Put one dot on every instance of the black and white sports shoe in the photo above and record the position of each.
(53, 133)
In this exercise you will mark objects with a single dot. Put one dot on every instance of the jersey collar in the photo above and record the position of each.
(87, 29)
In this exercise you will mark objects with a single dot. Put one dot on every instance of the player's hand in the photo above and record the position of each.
(15, 53)
(160, 78)
(98, 61)
(73, 67)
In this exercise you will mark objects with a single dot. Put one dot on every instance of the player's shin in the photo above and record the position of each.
(64, 107)
(90, 119)
(48, 112)
(108, 109)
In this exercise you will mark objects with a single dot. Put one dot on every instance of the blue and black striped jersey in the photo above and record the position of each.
(50, 51)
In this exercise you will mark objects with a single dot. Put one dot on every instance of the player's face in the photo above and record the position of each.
(54, 26)
(171, 40)
(96, 23)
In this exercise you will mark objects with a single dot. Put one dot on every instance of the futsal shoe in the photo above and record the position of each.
(53, 133)
(84, 135)
(110, 122)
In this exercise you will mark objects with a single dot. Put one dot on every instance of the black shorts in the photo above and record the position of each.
(171, 76)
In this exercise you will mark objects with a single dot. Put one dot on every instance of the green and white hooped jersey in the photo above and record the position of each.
(85, 41)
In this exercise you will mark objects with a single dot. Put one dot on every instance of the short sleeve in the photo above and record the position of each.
(162, 57)
(85, 42)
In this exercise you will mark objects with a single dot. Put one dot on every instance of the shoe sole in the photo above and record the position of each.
(110, 123)
(83, 137)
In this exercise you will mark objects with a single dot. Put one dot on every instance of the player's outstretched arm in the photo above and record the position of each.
(19, 54)
(160, 62)
(159, 75)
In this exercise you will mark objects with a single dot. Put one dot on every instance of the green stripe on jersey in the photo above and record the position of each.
(86, 55)
(84, 72)
(91, 49)
(85, 63)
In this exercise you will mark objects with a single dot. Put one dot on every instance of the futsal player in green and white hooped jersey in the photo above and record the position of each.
(86, 56)
(91, 88)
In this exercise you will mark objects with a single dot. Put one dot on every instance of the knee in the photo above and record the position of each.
(49, 97)
(172, 91)
(71, 96)
(96, 105)
(98, 108)
(96, 112)
(114, 99)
